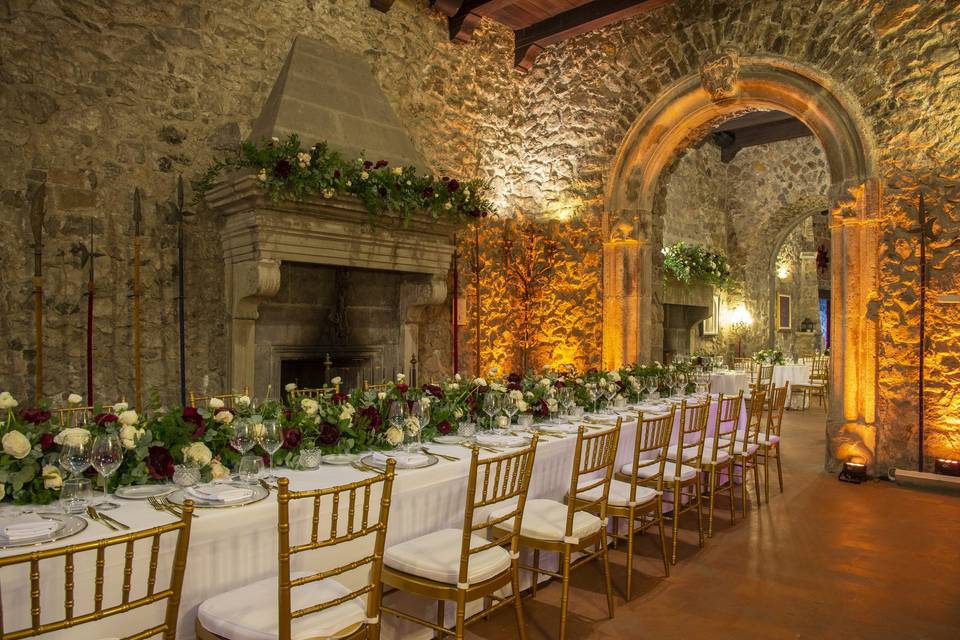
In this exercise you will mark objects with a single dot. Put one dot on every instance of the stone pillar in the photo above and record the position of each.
(416, 296)
(248, 283)
(852, 421)
(627, 289)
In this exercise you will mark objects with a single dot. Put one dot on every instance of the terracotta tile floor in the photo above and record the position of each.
(825, 560)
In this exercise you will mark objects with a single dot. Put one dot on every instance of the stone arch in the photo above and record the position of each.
(726, 86)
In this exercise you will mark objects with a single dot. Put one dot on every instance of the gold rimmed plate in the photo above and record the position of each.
(179, 496)
(144, 491)
(67, 526)
(370, 461)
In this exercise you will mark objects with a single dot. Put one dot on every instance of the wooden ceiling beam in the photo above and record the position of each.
(530, 41)
(466, 18)
(732, 141)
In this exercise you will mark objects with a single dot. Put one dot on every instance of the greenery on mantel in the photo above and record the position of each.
(285, 170)
(693, 264)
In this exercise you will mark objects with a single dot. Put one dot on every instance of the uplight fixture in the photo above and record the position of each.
(853, 472)
(947, 467)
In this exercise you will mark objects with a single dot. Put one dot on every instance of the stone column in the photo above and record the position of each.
(248, 283)
(851, 425)
(627, 289)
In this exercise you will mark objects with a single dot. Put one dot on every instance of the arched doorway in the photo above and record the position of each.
(726, 86)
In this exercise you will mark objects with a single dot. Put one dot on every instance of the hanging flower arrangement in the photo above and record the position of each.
(693, 264)
(285, 170)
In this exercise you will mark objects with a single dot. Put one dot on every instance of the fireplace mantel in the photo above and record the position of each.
(260, 233)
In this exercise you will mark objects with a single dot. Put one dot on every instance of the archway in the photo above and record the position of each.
(726, 86)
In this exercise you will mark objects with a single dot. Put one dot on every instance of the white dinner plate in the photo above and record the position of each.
(178, 497)
(449, 439)
(67, 526)
(144, 491)
(370, 461)
(339, 458)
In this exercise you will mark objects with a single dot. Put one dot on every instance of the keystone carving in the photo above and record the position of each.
(720, 74)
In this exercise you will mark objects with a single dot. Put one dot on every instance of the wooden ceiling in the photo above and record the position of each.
(756, 128)
(535, 23)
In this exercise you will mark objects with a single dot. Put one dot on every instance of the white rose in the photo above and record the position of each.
(16, 444)
(579, 380)
(453, 386)
(310, 406)
(128, 417)
(336, 380)
(615, 376)
(382, 395)
(480, 382)
(457, 377)
(447, 206)
(120, 406)
(291, 386)
(545, 382)
(412, 425)
(425, 402)
(51, 477)
(73, 435)
(243, 401)
(364, 175)
(522, 406)
(215, 403)
(551, 404)
(401, 377)
(458, 413)
(394, 436)
(346, 413)
(129, 436)
(7, 401)
(262, 176)
(397, 171)
(613, 388)
(218, 471)
(224, 417)
(274, 139)
(199, 453)
(74, 398)
(516, 394)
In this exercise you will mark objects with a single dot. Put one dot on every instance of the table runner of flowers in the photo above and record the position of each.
(163, 437)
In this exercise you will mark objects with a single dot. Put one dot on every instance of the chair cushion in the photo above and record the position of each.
(436, 556)
(686, 473)
(250, 612)
(619, 495)
(774, 439)
(547, 520)
(689, 453)
(722, 456)
(751, 449)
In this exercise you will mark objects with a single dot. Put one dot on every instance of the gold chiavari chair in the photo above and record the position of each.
(640, 506)
(818, 384)
(385, 386)
(769, 441)
(312, 604)
(130, 599)
(762, 378)
(744, 364)
(460, 564)
(744, 447)
(318, 392)
(574, 527)
(76, 416)
(718, 459)
(684, 466)
(227, 398)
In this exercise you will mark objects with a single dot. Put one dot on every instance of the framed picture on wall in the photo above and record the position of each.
(711, 326)
(784, 312)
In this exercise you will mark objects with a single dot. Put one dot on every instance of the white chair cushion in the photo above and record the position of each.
(722, 456)
(250, 612)
(751, 449)
(547, 520)
(689, 452)
(686, 473)
(774, 439)
(436, 556)
(619, 495)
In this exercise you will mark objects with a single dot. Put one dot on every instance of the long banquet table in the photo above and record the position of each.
(236, 546)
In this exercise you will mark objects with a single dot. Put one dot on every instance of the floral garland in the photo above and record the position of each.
(155, 443)
(769, 356)
(693, 264)
(285, 170)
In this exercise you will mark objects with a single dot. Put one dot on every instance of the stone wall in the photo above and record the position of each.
(696, 206)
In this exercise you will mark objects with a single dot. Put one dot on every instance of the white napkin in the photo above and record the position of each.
(403, 458)
(26, 526)
(219, 493)
(559, 428)
(605, 418)
(494, 440)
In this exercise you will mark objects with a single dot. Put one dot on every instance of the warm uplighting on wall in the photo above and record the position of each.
(783, 271)
(739, 318)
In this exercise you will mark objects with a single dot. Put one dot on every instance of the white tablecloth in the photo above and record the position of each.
(730, 383)
(793, 373)
(233, 547)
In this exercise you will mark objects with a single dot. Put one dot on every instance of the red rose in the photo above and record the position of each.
(104, 418)
(159, 463)
(542, 409)
(514, 377)
(35, 416)
(292, 438)
(282, 169)
(46, 441)
(452, 186)
(444, 427)
(373, 416)
(329, 434)
(336, 174)
(559, 384)
(192, 416)
(434, 390)
(402, 388)
(339, 398)
(367, 164)
(380, 164)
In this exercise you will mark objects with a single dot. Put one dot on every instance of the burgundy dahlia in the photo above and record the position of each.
(444, 427)
(46, 441)
(35, 416)
(514, 377)
(339, 398)
(434, 390)
(336, 174)
(282, 169)
(159, 463)
(380, 164)
(542, 410)
(402, 388)
(559, 384)
(102, 419)
(452, 186)
(192, 416)
(329, 434)
(292, 438)
(367, 164)
(374, 419)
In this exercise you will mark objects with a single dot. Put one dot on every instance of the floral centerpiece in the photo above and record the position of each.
(693, 264)
(769, 356)
(28, 463)
(285, 169)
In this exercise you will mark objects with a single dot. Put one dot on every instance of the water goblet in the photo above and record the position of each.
(75, 495)
(397, 416)
(491, 406)
(413, 425)
(106, 457)
(271, 439)
(75, 455)
(249, 469)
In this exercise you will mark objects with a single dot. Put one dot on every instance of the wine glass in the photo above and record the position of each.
(106, 457)
(509, 407)
(413, 426)
(650, 385)
(592, 395)
(271, 439)
(609, 392)
(75, 456)
(244, 437)
(397, 417)
(491, 406)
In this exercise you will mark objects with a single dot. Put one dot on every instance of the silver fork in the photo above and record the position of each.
(93, 515)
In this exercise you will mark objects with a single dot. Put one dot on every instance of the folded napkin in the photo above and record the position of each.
(559, 428)
(494, 440)
(219, 492)
(605, 418)
(403, 458)
(26, 526)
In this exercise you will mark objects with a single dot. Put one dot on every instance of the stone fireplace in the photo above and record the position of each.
(319, 288)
